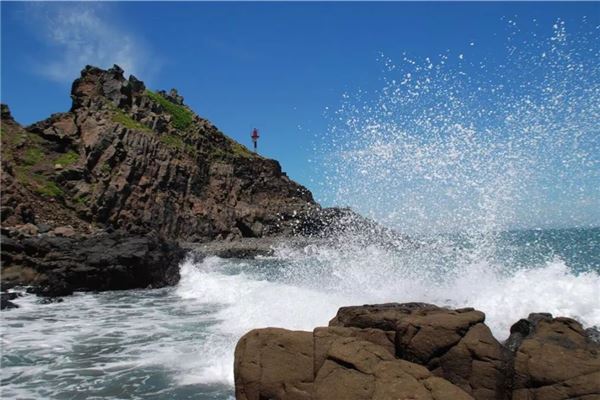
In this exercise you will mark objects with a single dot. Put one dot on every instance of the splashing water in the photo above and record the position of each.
(449, 144)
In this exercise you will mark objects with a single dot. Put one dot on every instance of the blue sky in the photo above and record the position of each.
(275, 66)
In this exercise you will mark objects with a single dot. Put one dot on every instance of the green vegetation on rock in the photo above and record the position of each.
(48, 188)
(39, 183)
(81, 200)
(176, 142)
(121, 118)
(182, 116)
(235, 150)
(105, 168)
(240, 150)
(33, 155)
(67, 159)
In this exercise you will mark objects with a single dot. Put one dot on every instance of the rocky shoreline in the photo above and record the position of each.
(54, 265)
(419, 351)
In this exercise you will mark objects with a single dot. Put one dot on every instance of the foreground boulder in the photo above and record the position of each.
(58, 265)
(419, 351)
(454, 344)
(274, 364)
(361, 370)
(280, 364)
(555, 359)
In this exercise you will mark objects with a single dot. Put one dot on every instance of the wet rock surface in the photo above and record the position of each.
(58, 265)
(5, 300)
(421, 351)
(554, 359)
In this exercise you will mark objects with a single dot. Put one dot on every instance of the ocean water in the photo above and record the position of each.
(178, 342)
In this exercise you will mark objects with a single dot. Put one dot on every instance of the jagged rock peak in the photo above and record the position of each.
(6, 115)
(97, 83)
(173, 96)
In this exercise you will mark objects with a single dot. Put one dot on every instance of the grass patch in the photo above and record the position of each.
(105, 168)
(82, 200)
(234, 151)
(176, 142)
(39, 183)
(240, 150)
(123, 119)
(67, 159)
(172, 141)
(32, 156)
(49, 188)
(182, 118)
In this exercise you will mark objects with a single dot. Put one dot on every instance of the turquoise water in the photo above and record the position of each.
(177, 343)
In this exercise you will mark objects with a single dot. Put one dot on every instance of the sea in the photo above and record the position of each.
(178, 342)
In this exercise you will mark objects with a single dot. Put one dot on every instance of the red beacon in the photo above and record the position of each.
(255, 137)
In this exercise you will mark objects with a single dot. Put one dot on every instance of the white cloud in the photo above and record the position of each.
(79, 34)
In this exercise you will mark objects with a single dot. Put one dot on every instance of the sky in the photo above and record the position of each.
(278, 67)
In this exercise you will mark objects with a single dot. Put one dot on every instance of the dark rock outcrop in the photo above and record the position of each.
(58, 265)
(421, 351)
(5, 300)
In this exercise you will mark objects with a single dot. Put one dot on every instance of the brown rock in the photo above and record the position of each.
(64, 231)
(555, 359)
(26, 229)
(449, 354)
(274, 364)
(478, 364)
(453, 344)
(357, 369)
(426, 334)
(325, 336)
(378, 316)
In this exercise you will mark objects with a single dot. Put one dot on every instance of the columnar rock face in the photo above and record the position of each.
(141, 161)
(420, 351)
(129, 159)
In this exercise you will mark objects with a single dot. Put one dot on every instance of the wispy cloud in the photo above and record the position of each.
(78, 34)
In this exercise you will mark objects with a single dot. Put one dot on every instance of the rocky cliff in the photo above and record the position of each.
(130, 158)
(99, 197)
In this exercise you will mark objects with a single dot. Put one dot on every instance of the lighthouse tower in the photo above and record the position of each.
(255, 137)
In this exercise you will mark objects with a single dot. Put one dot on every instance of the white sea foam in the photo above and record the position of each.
(311, 296)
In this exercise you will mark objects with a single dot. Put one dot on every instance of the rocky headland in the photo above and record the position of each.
(419, 351)
(107, 195)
